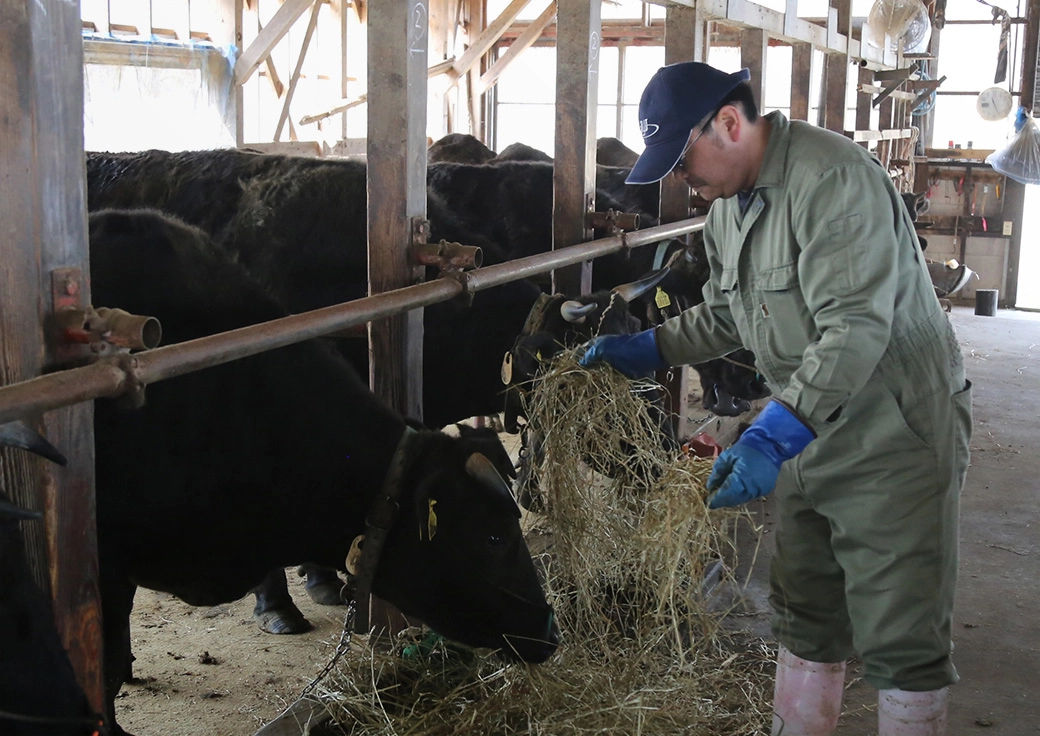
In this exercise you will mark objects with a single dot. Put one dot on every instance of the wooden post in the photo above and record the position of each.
(226, 31)
(753, 44)
(397, 53)
(837, 68)
(864, 100)
(43, 249)
(1015, 192)
(397, 42)
(684, 35)
(574, 173)
(801, 80)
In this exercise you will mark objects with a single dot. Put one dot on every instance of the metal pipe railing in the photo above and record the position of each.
(115, 375)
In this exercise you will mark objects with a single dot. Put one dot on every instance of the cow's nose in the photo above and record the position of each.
(534, 650)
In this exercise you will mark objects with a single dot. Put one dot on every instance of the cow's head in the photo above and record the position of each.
(730, 384)
(456, 557)
(558, 322)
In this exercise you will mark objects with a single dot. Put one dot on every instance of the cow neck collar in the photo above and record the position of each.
(380, 520)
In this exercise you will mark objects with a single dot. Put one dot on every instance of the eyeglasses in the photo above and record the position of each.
(680, 165)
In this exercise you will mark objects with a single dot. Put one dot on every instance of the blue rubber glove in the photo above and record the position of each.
(749, 469)
(634, 355)
(1021, 118)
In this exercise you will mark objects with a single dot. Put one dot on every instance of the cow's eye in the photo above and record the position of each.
(495, 541)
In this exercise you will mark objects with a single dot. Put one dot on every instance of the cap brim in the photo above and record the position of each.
(656, 162)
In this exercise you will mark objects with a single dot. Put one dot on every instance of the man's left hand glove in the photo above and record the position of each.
(749, 469)
(634, 355)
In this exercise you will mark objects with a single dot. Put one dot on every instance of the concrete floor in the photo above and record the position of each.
(996, 621)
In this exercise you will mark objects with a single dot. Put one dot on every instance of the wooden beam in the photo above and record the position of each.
(888, 134)
(268, 38)
(273, 77)
(574, 172)
(345, 104)
(487, 38)
(531, 34)
(308, 34)
(342, 107)
(43, 249)
(783, 26)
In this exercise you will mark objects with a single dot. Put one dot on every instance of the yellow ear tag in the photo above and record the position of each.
(539, 356)
(507, 369)
(661, 299)
(431, 521)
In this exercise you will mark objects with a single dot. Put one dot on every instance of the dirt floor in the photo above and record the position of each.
(212, 672)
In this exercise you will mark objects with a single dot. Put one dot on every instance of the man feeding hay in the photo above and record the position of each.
(816, 268)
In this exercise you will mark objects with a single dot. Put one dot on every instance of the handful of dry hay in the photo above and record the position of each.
(627, 540)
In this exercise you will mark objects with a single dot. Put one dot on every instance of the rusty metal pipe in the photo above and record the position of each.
(126, 330)
(502, 273)
(613, 219)
(448, 256)
(175, 360)
(113, 376)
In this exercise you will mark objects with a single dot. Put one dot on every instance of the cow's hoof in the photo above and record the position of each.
(326, 592)
(324, 585)
(282, 621)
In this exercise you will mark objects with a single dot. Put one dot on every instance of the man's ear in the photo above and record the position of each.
(731, 123)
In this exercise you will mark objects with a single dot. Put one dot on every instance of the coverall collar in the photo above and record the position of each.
(774, 161)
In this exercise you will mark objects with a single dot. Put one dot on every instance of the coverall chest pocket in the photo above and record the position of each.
(781, 316)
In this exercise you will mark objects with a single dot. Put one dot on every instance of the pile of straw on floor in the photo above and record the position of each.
(625, 556)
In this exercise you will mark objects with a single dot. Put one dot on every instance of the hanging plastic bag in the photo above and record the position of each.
(1020, 159)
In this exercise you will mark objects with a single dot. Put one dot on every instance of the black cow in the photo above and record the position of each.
(612, 152)
(289, 447)
(459, 147)
(299, 226)
(522, 152)
(39, 693)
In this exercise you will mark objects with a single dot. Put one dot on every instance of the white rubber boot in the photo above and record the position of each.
(807, 699)
(903, 713)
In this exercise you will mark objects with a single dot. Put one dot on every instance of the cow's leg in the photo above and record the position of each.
(275, 611)
(323, 584)
(117, 600)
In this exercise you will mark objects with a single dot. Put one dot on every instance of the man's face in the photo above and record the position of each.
(708, 164)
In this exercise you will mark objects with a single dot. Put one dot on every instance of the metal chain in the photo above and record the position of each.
(341, 648)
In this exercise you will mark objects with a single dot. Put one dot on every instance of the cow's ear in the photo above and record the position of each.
(484, 471)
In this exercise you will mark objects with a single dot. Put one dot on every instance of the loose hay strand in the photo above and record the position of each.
(627, 540)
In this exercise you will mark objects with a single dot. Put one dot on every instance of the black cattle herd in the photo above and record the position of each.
(214, 485)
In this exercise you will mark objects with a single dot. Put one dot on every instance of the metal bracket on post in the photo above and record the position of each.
(612, 221)
(66, 298)
(420, 237)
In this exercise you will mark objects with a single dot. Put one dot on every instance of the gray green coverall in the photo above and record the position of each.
(822, 277)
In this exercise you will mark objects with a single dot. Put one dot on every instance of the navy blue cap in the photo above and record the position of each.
(676, 98)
